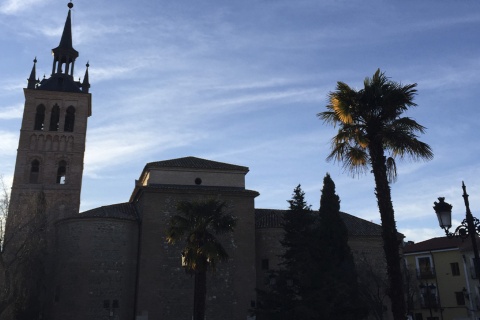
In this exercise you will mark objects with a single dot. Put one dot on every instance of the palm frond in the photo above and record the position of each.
(401, 139)
(198, 224)
(372, 113)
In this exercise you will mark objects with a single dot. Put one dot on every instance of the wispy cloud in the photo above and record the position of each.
(420, 234)
(12, 112)
(15, 6)
(112, 147)
(9, 143)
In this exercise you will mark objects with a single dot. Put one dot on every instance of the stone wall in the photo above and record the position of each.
(95, 270)
(165, 291)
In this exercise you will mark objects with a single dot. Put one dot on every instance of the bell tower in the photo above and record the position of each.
(52, 137)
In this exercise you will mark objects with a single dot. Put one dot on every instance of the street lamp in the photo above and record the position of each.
(470, 226)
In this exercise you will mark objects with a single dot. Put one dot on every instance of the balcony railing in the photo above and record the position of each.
(424, 273)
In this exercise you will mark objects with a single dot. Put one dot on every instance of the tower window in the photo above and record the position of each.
(69, 119)
(61, 172)
(54, 118)
(39, 117)
(34, 171)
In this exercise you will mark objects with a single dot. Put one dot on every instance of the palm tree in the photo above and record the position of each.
(198, 224)
(372, 133)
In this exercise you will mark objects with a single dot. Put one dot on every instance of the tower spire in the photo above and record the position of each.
(86, 83)
(32, 81)
(64, 55)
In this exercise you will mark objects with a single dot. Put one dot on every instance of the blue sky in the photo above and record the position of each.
(242, 81)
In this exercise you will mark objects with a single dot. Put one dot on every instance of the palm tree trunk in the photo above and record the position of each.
(199, 296)
(389, 232)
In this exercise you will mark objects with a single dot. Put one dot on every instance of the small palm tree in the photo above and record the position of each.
(373, 133)
(198, 224)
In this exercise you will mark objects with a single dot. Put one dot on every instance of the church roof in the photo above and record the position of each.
(124, 210)
(195, 163)
(273, 218)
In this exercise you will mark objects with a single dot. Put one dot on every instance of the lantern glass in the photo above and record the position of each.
(445, 219)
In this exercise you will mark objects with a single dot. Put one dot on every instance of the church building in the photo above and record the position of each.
(113, 262)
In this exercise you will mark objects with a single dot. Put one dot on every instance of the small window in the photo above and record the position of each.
(460, 298)
(425, 268)
(39, 118)
(455, 269)
(54, 118)
(69, 119)
(265, 264)
(106, 304)
(115, 304)
(61, 172)
(34, 171)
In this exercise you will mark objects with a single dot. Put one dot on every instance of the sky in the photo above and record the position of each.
(242, 81)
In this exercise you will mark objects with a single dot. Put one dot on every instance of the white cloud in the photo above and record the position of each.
(116, 146)
(9, 143)
(11, 112)
(15, 6)
(421, 234)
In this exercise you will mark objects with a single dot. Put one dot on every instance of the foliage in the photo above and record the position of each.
(199, 223)
(280, 301)
(318, 278)
(334, 273)
(373, 133)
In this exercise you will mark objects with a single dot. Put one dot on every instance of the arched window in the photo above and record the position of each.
(39, 117)
(69, 119)
(34, 171)
(61, 172)
(54, 118)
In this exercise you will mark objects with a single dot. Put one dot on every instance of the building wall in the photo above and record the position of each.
(188, 177)
(446, 282)
(96, 264)
(165, 291)
(267, 248)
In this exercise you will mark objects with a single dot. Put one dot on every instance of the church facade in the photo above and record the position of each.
(113, 262)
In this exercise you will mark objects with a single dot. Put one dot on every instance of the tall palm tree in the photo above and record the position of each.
(372, 134)
(198, 223)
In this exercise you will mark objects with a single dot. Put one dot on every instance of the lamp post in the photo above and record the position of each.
(470, 226)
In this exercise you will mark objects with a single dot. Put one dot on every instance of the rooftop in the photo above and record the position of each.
(273, 218)
(195, 163)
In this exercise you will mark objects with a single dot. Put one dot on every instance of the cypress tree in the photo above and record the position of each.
(335, 278)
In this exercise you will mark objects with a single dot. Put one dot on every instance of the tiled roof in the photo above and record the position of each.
(268, 218)
(195, 163)
(124, 210)
(440, 243)
(271, 218)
